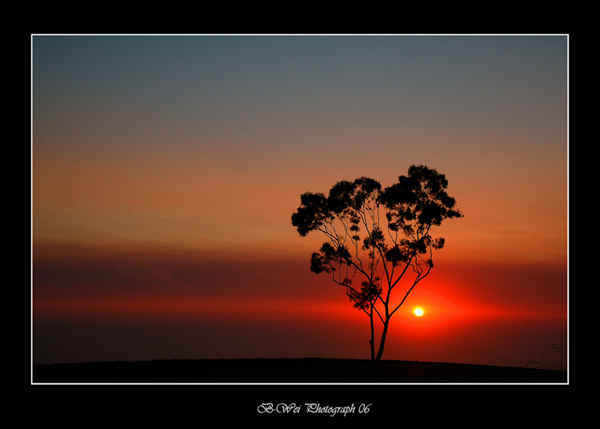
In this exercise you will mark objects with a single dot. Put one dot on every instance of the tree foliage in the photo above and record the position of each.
(381, 253)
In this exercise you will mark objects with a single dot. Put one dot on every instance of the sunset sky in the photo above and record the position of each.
(165, 170)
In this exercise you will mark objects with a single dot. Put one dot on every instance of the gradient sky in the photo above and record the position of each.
(165, 170)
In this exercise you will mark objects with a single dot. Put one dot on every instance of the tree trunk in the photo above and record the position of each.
(372, 340)
(382, 342)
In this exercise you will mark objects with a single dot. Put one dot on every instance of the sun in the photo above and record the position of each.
(418, 312)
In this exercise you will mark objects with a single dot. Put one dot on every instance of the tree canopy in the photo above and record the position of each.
(380, 252)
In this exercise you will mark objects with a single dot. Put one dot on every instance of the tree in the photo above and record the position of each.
(358, 245)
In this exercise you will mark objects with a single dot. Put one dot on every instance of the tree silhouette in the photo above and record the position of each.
(357, 244)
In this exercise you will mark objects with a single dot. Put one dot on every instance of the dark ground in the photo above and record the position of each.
(288, 371)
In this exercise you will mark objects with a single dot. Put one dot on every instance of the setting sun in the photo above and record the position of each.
(418, 312)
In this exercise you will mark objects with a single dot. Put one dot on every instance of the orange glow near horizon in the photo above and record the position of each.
(165, 276)
(190, 308)
(234, 315)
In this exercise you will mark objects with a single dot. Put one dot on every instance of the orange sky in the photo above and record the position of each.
(166, 170)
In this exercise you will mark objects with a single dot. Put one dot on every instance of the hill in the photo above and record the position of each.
(287, 371)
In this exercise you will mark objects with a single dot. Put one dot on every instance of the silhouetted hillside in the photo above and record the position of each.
(311, 370)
